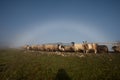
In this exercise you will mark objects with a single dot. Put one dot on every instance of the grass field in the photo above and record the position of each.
(19, 65)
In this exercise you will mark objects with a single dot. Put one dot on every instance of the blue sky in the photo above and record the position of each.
(47, 21)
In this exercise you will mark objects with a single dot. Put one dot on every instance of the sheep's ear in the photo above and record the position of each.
(62, 46)
(72, 42)
(58, 44)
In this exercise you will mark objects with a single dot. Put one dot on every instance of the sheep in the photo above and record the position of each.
(40, 47)
(34, 47)
(116, 48)
(91, 47)
(66, 48)
(102, 49)
(27, 47)
(51, 47)
(78, 47)
(72, 48)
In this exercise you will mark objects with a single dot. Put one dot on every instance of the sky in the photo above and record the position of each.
(50, 21)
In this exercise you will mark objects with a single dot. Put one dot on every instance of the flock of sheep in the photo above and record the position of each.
(73, 47)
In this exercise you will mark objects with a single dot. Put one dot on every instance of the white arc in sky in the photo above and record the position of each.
(60, 31)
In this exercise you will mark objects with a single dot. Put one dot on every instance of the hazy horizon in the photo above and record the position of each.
(49, 21)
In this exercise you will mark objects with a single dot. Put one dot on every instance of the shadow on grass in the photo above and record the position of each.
(62, 75)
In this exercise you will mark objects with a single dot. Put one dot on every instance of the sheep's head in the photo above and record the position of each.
(61, 47)
(72, 43)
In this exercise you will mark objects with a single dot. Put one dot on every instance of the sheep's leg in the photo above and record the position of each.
(87, 51)
(84, 51)
(95, 51)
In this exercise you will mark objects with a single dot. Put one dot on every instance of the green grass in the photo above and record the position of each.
(17, 65)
